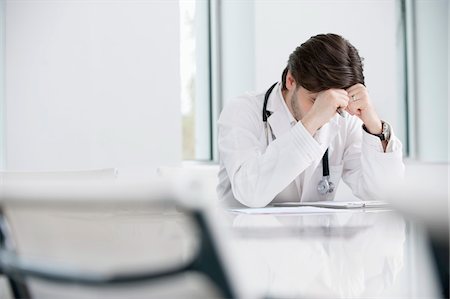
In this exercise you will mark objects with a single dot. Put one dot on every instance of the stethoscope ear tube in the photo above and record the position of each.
(265, 113)
(325, 166)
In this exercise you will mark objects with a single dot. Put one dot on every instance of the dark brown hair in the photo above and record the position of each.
(325, 61)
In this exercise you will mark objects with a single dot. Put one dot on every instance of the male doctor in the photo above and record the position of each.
(296, 140)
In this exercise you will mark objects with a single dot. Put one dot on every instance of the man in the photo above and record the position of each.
(296, 140)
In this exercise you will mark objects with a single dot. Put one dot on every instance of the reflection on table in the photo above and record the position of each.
(354, 254)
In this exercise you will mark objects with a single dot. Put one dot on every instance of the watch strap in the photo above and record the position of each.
(385, 131)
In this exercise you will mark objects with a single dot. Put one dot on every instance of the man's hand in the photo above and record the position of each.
(361, 106)
(324, 108)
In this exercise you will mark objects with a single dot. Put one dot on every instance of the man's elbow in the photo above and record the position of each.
(251, 199)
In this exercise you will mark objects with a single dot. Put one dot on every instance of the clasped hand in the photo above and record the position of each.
(355, 100)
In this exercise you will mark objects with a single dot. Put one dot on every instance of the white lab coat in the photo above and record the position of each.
(289, 169)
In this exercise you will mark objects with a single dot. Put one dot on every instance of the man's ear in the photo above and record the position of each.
(290, 81)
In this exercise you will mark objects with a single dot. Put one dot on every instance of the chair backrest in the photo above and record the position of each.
(67, 175)
(108, 235)
(205, 173)
(424, 195)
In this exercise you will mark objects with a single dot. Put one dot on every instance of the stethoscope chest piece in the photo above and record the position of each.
(325, 186)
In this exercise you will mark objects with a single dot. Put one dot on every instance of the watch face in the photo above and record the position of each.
(386, 131)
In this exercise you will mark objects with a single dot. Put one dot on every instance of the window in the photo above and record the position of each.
(230, 47)
(2, 83)
(195, 80)
(427, 79)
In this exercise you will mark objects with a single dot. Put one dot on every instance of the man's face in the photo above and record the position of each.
(301, 102)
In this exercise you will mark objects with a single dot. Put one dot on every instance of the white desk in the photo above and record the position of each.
(341, 255)
(355, 254)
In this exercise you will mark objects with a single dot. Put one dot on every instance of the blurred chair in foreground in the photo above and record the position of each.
(424, 198)
(85, 175)
(205, 173)
(96, 240)
(69, 175)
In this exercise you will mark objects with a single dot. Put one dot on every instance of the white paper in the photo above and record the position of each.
(337, 204)
(287, 210)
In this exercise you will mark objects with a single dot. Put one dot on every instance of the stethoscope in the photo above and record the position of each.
(325, 185)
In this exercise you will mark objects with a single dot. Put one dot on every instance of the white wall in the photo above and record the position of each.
(369, 25)
(92, 84)
(237, 47)
(279, 27)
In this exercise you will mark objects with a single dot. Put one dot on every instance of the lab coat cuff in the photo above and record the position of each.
(372, 141)
(305, 142)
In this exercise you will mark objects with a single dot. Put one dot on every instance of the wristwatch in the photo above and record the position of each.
(385, 131)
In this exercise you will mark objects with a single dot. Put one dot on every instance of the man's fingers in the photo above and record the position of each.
(354, 107)
(341, 91)
(342, 101)
(349, 111)
(354, 88)
(353, 97)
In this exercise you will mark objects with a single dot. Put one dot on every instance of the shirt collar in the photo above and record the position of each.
(292, 120)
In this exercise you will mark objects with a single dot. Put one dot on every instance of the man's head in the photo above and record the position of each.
(325, 61)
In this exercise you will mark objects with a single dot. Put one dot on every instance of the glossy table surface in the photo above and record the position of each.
(346, 254)
(341, 254)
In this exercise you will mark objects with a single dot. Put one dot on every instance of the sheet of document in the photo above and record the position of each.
(288, 210)
(337, 204)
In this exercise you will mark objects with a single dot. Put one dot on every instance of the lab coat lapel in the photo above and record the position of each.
(279, 121)
(324, 137)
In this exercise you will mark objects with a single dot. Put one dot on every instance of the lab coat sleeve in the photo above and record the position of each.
(257, 174)
(367, 169)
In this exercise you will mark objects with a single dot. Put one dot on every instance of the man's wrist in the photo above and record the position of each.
(385, 134)
(309, 124)
(374, 129)
(374, 125)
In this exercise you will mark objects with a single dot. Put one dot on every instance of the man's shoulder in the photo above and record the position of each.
(249, 101)
(249, 97)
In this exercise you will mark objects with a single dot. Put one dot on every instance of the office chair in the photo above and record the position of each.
(206, 173)
(19, 202)
(66, 175)
(423, 197)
